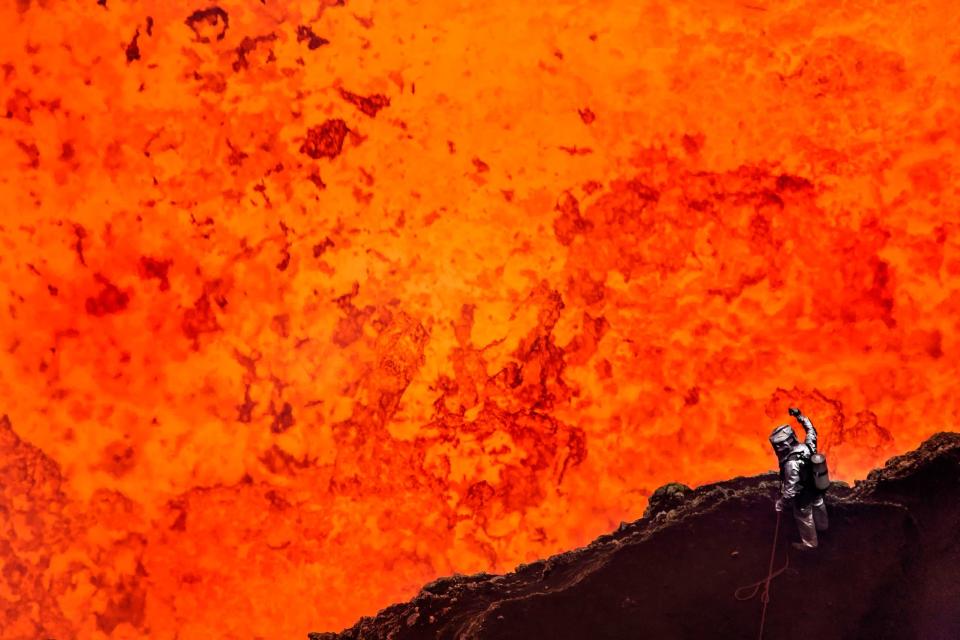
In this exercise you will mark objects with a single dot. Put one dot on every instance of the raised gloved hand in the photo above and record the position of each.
(794, 412)
(778, 505)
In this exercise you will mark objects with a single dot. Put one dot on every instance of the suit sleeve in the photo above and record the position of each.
(790, 486)
(811, 440)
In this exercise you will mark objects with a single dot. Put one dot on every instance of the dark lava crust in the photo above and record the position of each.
(889, 567)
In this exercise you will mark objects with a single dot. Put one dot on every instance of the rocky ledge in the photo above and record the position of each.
(889, 567)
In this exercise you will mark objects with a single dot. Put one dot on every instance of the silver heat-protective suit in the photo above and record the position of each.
(809, 509)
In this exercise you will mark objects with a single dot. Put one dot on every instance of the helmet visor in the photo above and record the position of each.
(782, 438)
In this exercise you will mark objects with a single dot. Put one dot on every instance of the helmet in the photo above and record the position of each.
(783, 439)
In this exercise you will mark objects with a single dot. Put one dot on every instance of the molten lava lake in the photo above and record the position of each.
(306, 304)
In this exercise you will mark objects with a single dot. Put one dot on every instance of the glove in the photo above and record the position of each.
(794, 412)
(778, 505)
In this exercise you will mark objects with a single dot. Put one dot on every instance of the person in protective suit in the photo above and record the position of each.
(796, 482)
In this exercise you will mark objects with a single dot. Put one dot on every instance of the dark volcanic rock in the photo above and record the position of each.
(889, 567)
(666, 498)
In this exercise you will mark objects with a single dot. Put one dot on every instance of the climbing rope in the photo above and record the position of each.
(771, 574)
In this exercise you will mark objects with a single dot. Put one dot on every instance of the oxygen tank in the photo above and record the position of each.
(821, 478)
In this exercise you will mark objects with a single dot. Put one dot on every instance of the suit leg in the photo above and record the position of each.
(820, 518)
(808, 530)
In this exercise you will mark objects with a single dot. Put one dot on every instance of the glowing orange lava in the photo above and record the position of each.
(309, 303)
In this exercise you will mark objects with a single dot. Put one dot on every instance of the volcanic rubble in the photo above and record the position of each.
(888, 567)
